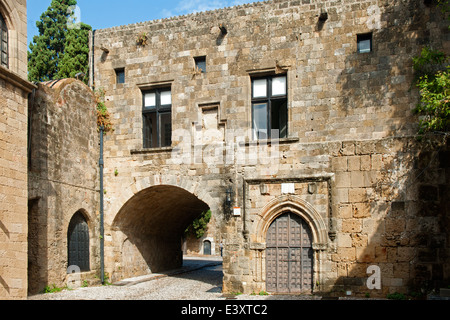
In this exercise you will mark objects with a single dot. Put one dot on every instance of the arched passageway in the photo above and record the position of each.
(152, 223)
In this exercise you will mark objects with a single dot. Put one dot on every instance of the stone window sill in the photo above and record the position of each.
(151, 150)
(269, 141)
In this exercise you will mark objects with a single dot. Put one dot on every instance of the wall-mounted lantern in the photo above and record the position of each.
(229, 197)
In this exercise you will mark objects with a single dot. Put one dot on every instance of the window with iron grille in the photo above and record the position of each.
(3, 43)
(157, 118)
(269, 107)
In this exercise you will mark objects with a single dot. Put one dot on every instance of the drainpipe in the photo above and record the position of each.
(91, 60)
(101, 164)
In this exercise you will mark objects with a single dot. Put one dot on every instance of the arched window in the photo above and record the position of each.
(78, 242)
(3, 42)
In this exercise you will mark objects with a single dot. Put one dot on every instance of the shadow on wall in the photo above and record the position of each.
(62, 176)
(399, 223)
(152, 224)
(376, 87)
(399, 218)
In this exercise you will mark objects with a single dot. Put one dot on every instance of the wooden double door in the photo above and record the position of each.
(289, 255)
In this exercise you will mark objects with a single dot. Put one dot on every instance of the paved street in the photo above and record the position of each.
(198, 279)
(188, 290)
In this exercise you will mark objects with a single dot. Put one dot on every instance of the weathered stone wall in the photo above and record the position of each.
(15, 14)
(63, 178)
(383, 203)
(13, 191)
(350, 121)
(14, 90)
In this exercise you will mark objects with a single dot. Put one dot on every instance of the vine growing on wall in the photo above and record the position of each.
(103, 116)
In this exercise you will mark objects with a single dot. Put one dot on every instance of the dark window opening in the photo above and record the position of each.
(364, 42)
(269, 107)
(157, 118)
(120, 75)
(3, 43)
(200, 64)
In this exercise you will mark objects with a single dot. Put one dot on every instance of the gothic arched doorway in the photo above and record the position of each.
(289, 255)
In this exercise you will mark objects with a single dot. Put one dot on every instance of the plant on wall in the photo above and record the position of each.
(103, 116)
(142, 39)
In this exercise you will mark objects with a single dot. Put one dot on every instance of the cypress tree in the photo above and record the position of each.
(76, 53)
(58, 51)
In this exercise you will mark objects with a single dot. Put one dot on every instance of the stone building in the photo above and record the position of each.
(14, 90)
(63, 199)
(292, 122)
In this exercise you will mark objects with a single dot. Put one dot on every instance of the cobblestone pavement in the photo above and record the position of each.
(198, 279)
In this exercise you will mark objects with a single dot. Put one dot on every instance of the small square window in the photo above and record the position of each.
(200, 63)
(364, 42)
(120, 75)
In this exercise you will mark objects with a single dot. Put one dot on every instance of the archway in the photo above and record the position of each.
(152, 223)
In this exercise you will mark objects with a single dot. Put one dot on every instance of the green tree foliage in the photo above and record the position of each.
(199, 226)
(433, 80)
(76, 53)
(58, 51)
(434, 84)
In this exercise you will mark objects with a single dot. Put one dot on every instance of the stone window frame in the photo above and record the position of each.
(4, 52)
(120, 75)
(158, 110)
(200, 63)
(269, 99)
(368, 36)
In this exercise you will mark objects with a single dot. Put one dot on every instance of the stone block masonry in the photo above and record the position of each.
(13, 191)
(63, 183)
(345, 163)
(14, 90)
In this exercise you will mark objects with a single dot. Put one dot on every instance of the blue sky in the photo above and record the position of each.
(102, 14)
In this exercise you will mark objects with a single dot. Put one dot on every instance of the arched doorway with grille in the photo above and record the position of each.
(78, 242)
(289, 255)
